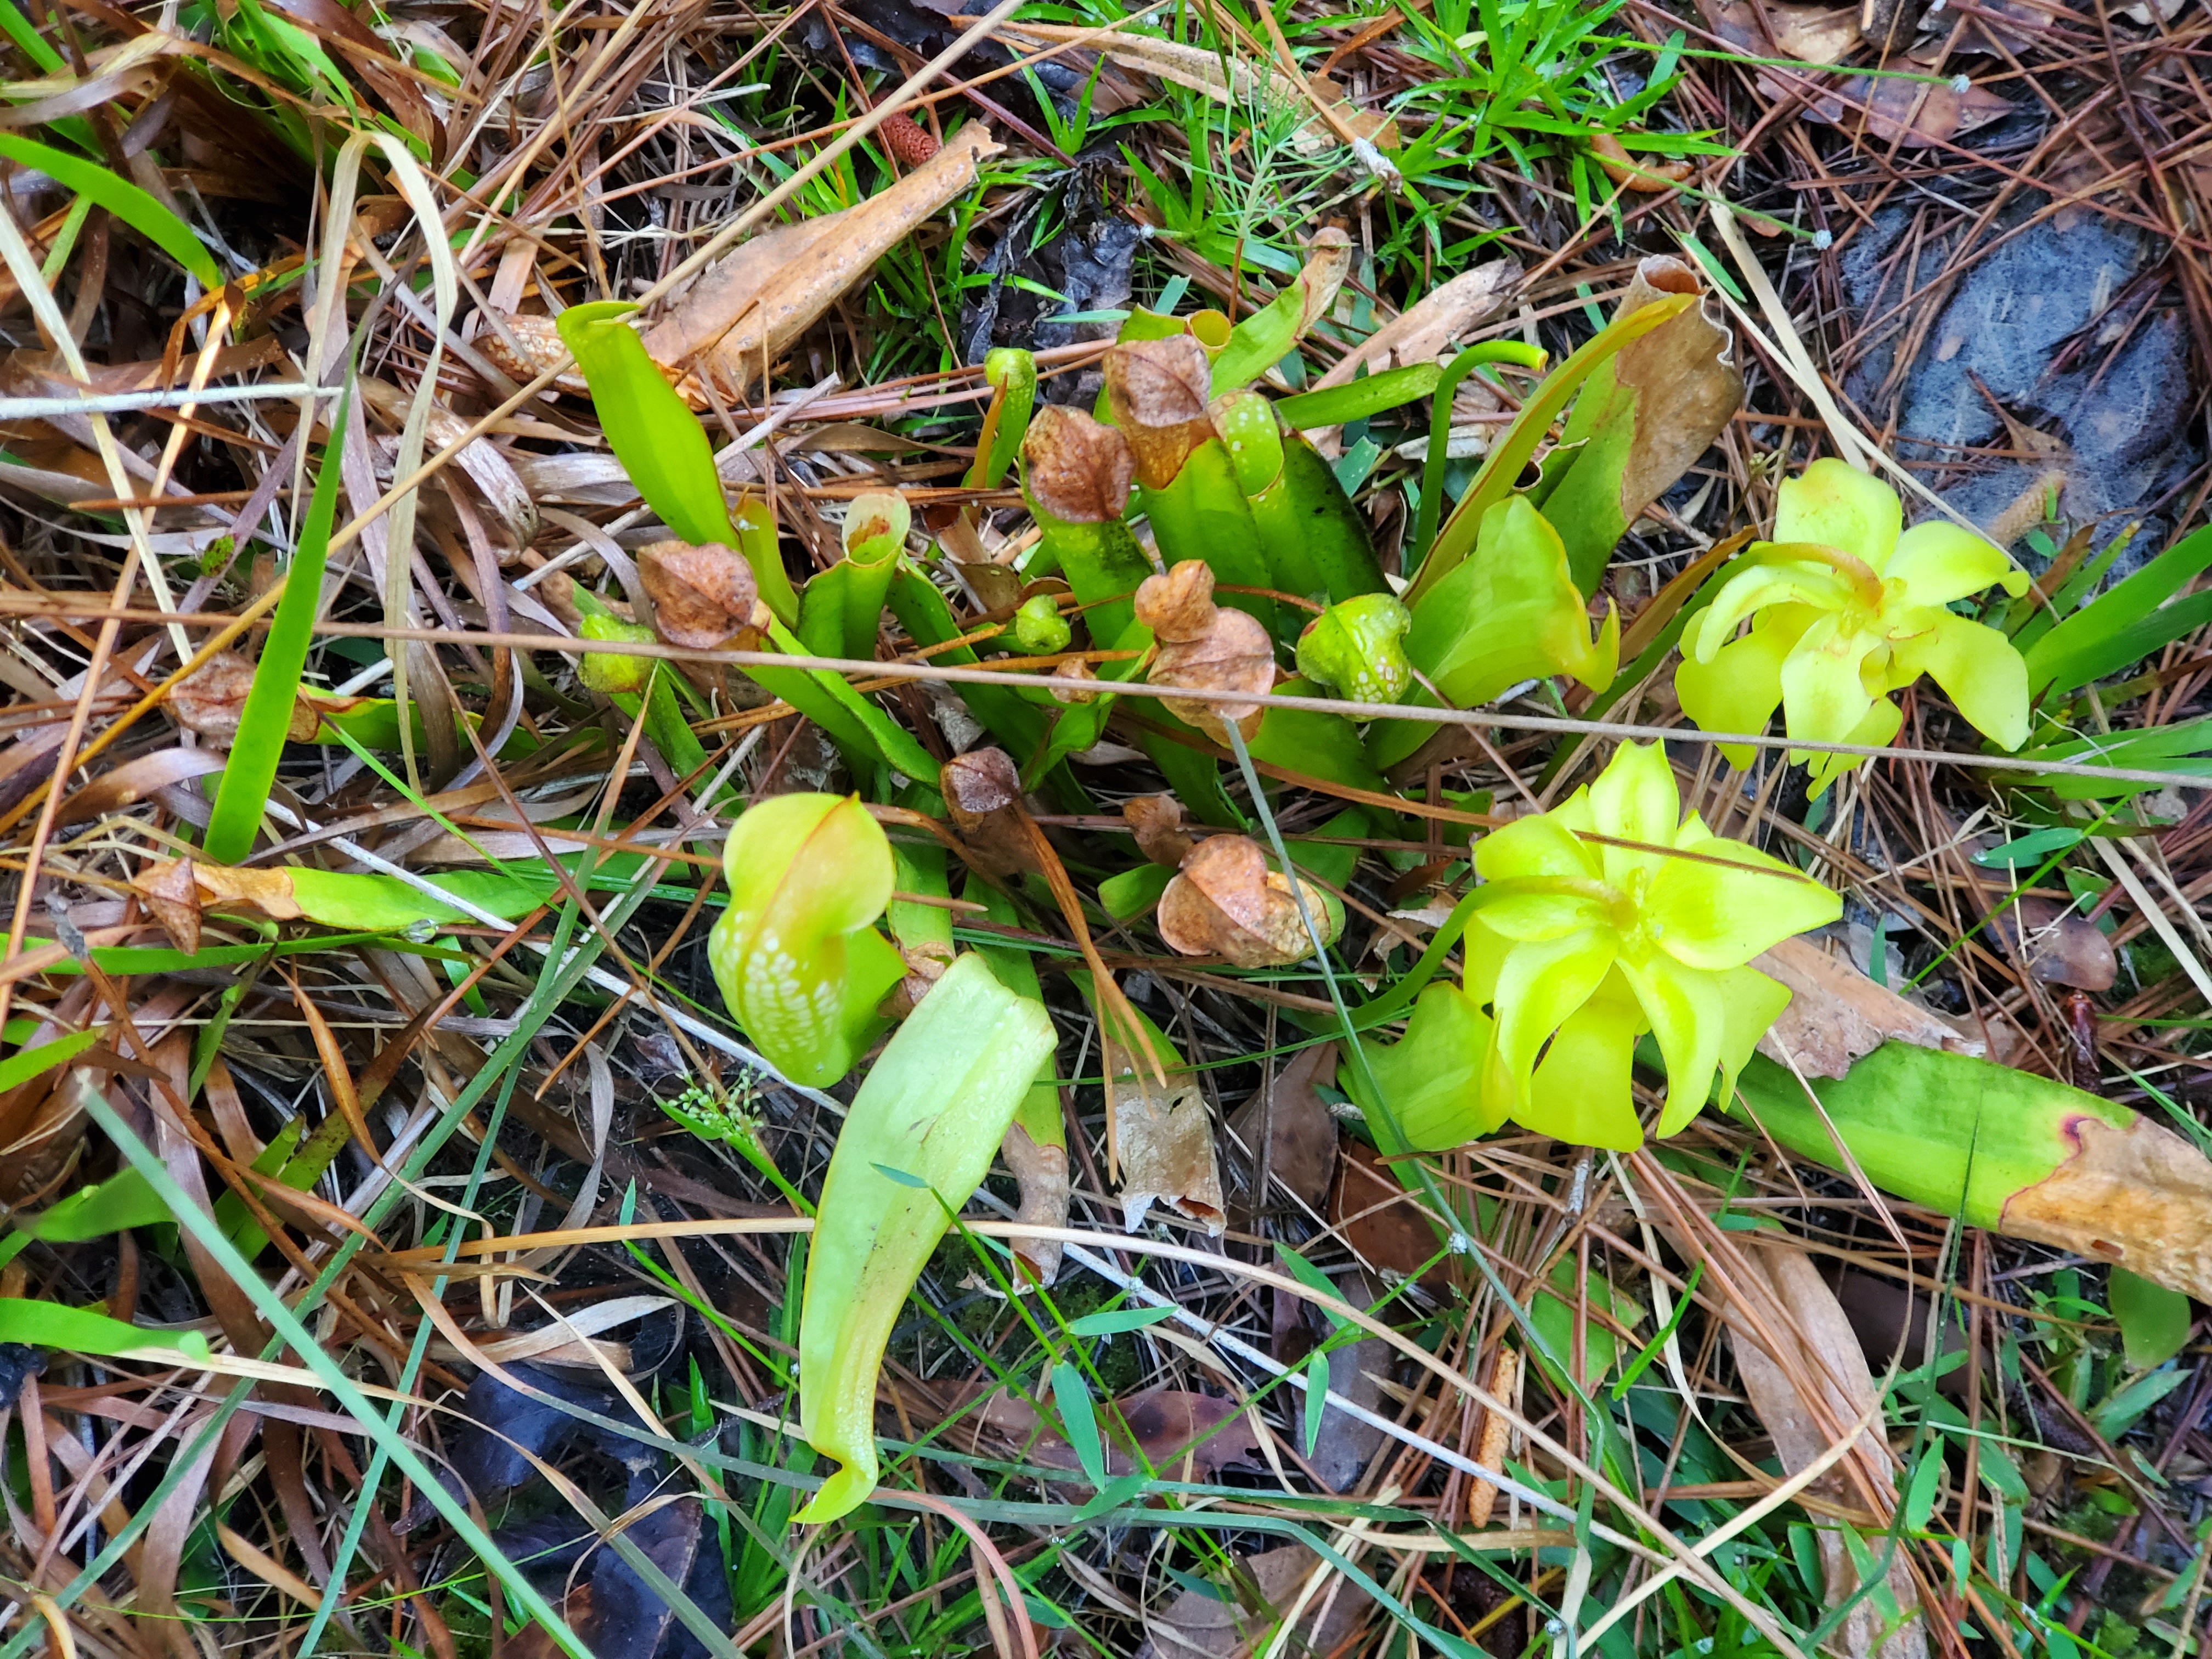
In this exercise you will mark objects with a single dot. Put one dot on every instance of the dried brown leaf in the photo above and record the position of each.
(1908, 113)
(1301, 1133)
(211, 700)
(1225, 901)
(1378, 1218)
(1156, 823)
(1198, 1625)
(732, 323)
(1422, 332)
(1836, 1013)
(135, 780)
(1078, 470)
(1805, 1397)
(1164, 1424)
(701, 593)
(2061, 945)
(1164, 1135)
(1687, 389)
(1040, 1169)
(1813, 35)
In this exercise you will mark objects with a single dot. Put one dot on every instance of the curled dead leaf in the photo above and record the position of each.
(1157, 390)
(177, 890)
(1041, 1169)
(1291, 1583)
(1156, 823)
(1225, 901)
(701, 593)
(2060, 945)
(1164, 1135)
(1078, 470)
(1646, 177)
(730, 325)
(211, 700)
(1203, 647)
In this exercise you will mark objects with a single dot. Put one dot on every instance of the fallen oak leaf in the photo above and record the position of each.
(1836, 1013)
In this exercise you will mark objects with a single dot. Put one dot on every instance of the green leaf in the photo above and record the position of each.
(1357, 399)
(132, 205)
(2028, 849)
(2124, 623)
(2153, 1321)
(122, 1201)
(1114, 1321)
(21, 1068)
(80, 1330)
(1317, 1397)
(1079, 1420)
(266, 721)
(936, 1102)
(1927, 1482)
(651, 429)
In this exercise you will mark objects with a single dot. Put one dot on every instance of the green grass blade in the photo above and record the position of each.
(266, 720)
(120, 198)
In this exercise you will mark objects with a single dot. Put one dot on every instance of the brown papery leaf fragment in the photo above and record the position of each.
(1647, 177)
(1205, 648)
(1805, 1397)
(730, 325)
(1163, 1140)
(1386, 1224)
(1836, 1013)
(1041, 1170)
(1164, 1423)
(211, 700)
(177, 890)
(1687, 389)
(1213, 1624)
(1157, 390)
(1300, 1133)
(1078, 470)
(1813, 34)
(1156, 823)
(1423, 331)
(982, 792)
(701, 593)
(1225, 901)
(2061, 946)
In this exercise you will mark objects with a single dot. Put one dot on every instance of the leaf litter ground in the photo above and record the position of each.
(1969, 238)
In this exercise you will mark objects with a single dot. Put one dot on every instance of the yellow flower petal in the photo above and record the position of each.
(1740, 688)
(1840, 507)
(1634, 797)
(1528, 914)
(1538, 987)
(1880, 725)
(1689, 1017)
(1761, 588)
(1939, 561)
(1580, 1092)
(1706, 916)
(1824, 696)
(1979, 670)
(1752, 1002)
(1539, 845)
(1431, 1080)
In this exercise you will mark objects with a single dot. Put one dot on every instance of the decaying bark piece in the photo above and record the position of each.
(728, 328)
(1041, 1171)
(1836, 1014)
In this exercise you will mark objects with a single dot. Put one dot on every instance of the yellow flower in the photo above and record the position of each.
(1845, 611)
(1612, 915)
